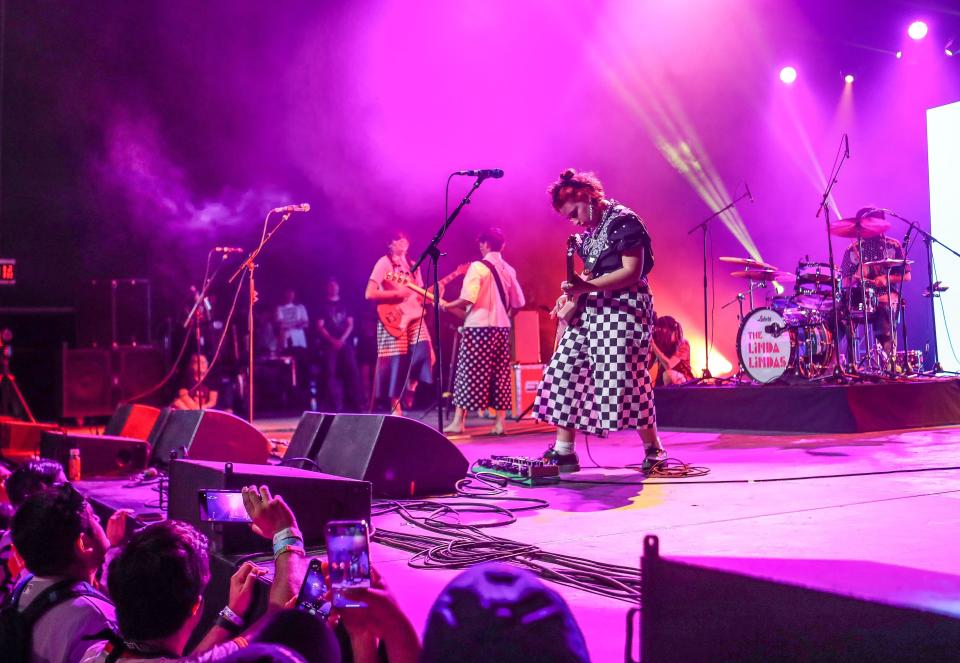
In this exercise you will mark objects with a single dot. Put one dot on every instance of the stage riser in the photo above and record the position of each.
(811, 408)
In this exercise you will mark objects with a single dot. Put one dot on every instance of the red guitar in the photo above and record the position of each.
(396, 317)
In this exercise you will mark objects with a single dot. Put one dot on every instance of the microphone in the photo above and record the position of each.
(302, 207)
(227, 249)
(495, 173)
(747, 187)
(846, 145)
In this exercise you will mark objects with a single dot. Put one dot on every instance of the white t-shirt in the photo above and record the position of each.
(289, 316)
(480, 288)
(59, 635)
(97, 654)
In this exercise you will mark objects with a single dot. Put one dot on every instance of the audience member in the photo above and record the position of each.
(189, 395)
(267, 653)
(497, 612)
(379, 624)
(302, 633)
(62, 544)
(157, 582)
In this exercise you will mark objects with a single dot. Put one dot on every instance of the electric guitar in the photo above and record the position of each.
(569, 309)
(396, 317)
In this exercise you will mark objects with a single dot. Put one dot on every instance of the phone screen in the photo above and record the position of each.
(222, 506)
(348, 551)
(313, 592)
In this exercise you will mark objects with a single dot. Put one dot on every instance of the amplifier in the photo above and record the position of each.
(526, 379)
(20, 440)
(315, 499)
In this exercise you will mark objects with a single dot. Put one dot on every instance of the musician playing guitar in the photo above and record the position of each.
(597, 380)
(403, 335)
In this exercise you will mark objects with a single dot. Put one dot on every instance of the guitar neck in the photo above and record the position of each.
(420, 291)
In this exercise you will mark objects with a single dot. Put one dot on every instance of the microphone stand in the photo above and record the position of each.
(706, 337)
(250, 266)
(433, 252)
(838, 373)
(929, 240)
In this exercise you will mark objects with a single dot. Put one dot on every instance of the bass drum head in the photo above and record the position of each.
(764, 356)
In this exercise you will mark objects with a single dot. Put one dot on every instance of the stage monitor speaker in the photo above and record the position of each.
(20, 440)
(401, 457)
(100, 455)
(314, 498)
(87, 383)
(209, 435)
(762, 609)
(133, 420)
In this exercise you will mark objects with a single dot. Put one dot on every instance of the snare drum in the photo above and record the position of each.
(855, 305)
(770, 344)
(815, 289)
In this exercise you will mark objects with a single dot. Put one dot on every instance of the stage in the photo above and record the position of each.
(880, 498)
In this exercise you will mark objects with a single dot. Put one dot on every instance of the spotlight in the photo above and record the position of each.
(848, 79)
(788, 75)
(917, 30)
(952, 47)
(899, 54)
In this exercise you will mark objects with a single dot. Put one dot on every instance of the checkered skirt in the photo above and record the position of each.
(483, 369)
(597, 380)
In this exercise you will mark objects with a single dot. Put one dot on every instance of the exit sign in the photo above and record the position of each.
(8, 271)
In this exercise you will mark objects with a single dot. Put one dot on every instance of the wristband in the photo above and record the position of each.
(286, 533)
(290, 548)
(289, 541)
(230, 621)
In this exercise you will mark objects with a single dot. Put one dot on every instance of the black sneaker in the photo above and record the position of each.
(653, 457)
(564, 462)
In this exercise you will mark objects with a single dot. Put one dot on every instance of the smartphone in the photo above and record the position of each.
(222, 506)
(312, 596)
(348, 552)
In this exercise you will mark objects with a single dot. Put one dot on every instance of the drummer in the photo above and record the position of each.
(876, 247)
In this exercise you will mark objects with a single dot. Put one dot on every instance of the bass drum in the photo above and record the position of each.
(769, 345)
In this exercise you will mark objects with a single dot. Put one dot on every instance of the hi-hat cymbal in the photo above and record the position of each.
(888, 263)
(868, 226)
(765, 275)
(749, 263)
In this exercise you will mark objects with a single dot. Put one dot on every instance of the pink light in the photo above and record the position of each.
(788, 75)
(917, 30)
(848, 78)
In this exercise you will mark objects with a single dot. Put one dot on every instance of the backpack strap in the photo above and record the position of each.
(496, 278)
(51, 597)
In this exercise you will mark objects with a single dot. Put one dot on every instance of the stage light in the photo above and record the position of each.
(952, 47)
(848, 79)
(788, 75)
(917, 30)
(899, 54)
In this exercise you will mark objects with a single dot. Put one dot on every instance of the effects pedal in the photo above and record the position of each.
(519, 469)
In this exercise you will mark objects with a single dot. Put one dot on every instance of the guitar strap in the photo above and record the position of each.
(496, 278)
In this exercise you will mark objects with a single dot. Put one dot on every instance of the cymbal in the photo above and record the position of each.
(868, 226)
(765, 275)
(749, 263)
(888, 263)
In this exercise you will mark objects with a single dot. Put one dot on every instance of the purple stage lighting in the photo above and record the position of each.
(788, 75)
(848, 78)
(917, 30)
(952, 47)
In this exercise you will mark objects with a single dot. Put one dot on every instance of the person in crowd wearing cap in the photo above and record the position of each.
(875, 277)
(489, 294)
(497, 612)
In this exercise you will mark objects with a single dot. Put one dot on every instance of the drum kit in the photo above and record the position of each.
(793, 335)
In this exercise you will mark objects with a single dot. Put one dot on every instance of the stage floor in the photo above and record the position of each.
(905, 517)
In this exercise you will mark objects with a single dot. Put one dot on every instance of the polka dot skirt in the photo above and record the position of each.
(483, 369)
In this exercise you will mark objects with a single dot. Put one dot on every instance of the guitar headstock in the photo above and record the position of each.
(572, 242)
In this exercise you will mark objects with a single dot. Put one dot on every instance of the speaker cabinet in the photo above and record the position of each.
(100, 455)
(209, 435)
(136, 421)
(314, 498)
(137, 369)
(401, 457)
(87, 383)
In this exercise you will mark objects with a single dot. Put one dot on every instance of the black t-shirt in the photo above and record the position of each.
(334, 316)
(620, 229)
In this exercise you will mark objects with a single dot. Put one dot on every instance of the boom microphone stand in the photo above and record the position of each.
(703, 226)
(433, 252)
(838, 373)
(250, 266)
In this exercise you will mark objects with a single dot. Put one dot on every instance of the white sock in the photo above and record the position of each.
(563, 448)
